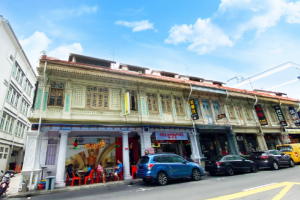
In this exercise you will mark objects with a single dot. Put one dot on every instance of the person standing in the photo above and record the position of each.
(118, 169)
(101, 170)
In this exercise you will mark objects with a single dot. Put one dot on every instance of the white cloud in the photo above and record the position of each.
(62, 52)
(62, 13)
(33, 45)
(137, 26)
(277, 51)
(204, 36)
(293, 12)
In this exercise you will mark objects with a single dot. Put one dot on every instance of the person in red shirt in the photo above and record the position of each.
(101, 170)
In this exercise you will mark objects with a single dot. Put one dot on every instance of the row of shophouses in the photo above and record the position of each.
(89, 110)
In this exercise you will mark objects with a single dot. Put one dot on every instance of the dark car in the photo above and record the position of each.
(229, 165)
(163, 167)
(271, 159)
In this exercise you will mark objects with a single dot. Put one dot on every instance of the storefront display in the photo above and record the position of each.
(272, 140)
(294, 135)
(224, 146)
(247, 143)
(207, 145)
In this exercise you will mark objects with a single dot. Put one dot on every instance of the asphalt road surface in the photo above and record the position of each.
(265, 184)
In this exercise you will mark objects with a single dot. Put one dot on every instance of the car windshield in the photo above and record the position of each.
(216, 158)
(144, 160)
(285, 148)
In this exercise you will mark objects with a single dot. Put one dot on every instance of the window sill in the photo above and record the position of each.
(106, 109)
(11, 105)
(58, 107)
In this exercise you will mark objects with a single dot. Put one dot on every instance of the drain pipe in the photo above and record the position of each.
(40, 121)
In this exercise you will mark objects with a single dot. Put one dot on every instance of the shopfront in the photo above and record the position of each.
(294, 135)
(247, 143)
(166, 142)
(272, 140)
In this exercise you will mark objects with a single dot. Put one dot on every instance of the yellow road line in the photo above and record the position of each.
(250, 192)
(283, 192)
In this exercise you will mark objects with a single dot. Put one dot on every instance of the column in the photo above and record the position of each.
(232, 143)
(198, 144)
(145, 141)
(67, 101)
(195, 151)
(126, 163)
(61, 160)
(261, 141)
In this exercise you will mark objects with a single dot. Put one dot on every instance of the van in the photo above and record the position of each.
(291, 149)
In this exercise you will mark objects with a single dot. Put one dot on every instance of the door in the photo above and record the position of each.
(183, 170)
(244, 165)
(207, 111)
(279, 158)
(235, 163)
(169, 166)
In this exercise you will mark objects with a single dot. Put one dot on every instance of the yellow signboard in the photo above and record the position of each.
(126, 104)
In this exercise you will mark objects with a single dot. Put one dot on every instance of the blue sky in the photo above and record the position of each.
(210, 39)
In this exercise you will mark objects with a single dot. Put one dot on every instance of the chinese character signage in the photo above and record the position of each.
(171, 136)
(294, 116)
(195, 115)
(280, 116)
(261, 115)
(126, 104)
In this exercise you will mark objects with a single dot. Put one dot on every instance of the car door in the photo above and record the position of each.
(284, 157)
(170, 166)
(277, 156)
(241, 163)
(184, 170)
(230, 160)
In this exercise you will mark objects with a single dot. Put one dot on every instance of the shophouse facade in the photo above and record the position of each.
(81, 117)
(17, 87)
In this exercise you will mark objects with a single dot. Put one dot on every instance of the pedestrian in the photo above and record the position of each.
(118, 169)
(100, 170)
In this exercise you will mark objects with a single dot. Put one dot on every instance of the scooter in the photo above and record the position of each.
(4, 183)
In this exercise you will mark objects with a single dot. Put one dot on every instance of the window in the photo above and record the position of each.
(216, 108)
(152, 103)
(1, 149)
(237, 158)
(1, 155)
(97, 97)
(177, 159)
(12, 97)
(132, 100)
(56, 94)
(7, 123)
(5, 156)
(230, 112)
(6, 150)
(51, 155)
(18, 73)
(272, 114)
(166, 103)
(239, 112)
(247, 113)
(16, 101)
(28, 87)
(178, 105)
(8, 94)
(24, 107)
(20, 129)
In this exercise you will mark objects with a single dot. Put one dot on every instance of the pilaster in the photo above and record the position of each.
(67, 101)
(126, 162)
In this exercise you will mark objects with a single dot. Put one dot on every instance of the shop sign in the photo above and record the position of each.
(293, 131)
(88, 140)
(294, 116)
(221, 116)
(261, 115)
(95, 145)
(280, 116)
(195, 115)
(126, 104)
(171, 136)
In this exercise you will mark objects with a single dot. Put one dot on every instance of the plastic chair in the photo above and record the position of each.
(120, 175)
(134, 170)
(91, 176)
(99, 176)
(75, 178)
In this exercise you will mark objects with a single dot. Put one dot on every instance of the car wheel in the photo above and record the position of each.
(196, 175)
(292, 164)
(229, 171)
(212, 173)
(253, 168)
(147, 181)
(275, 165)
(162, 178)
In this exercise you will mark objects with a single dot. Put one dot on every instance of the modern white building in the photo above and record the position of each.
(17, 84)
(284, 78)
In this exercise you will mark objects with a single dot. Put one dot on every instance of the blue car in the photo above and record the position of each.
(164, 167)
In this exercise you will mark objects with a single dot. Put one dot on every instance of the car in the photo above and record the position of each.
(291, 149)
(271, 159)
(164, 167)
(229, 164)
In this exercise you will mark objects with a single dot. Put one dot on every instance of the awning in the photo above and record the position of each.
(206, 89)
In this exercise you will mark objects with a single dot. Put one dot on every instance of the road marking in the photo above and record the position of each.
(283, 192)
(287, 187)
(259, 187)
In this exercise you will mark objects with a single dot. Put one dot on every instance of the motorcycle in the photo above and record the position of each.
(4, 183)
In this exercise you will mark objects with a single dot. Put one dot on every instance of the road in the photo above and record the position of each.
(265, 184)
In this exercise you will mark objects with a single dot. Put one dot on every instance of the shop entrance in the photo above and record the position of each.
(295, 138)
(247, 143)
(272, 140)
(207, 145)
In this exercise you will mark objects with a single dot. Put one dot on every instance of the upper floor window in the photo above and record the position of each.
(24, 107)
(132, 100)
(178, 105)
(216, 107)
(239, 112)
(272, 114)
(18, 73)
(12, 97)
(230, 111)
(152, 103)
(7, 123)
(97, 97)
(20, 129)
(28, 87)
(56, 97)
(248, 114)
(166, 103)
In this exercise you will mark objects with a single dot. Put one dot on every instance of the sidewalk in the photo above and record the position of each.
(69, 188)
(14, 185)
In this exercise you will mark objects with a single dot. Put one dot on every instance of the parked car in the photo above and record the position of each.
(164, 167)
(271, 159)
(291, 149)
(229, 164)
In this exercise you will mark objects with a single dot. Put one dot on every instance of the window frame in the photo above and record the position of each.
(92, 92)
(241, 112)
(163, 102)
(247, 113)
(177, 101)
(132, 93)
(150, 98)
(56, 94)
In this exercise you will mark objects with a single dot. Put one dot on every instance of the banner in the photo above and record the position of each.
(261, 115)
(280, 115)
(171, 136)
(195, 115)
(126, 104)
(294, 116)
